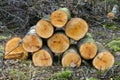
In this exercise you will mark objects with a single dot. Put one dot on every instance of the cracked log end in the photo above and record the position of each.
(14, 50)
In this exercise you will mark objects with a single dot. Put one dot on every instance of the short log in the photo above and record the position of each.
(32, 42)
(43, 57)
(14, 49)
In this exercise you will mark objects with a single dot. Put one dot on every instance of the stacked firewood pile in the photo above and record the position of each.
(59, 35)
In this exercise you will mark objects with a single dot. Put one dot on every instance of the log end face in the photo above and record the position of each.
(110, 15)
(32, 43)
(71, 59)
(14, 50)
(58, 43)
(76, 28)
(58, 18)
(88, 50)
(103, 61)
(42, 58)
(44, 29)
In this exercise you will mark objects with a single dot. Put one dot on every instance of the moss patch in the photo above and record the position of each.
(114, 45)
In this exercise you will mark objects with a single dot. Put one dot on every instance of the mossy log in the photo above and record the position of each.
(44, 28)
(58, 43)
(60, 17)
(104, 59)
(76, 28)
(14, 49)
(43, 57)
(32, 42)
(87, 47)
(71, 58)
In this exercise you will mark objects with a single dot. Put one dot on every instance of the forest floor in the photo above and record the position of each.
(103, 30)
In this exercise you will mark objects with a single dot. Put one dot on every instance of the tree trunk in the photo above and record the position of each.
(44, 29)
(76, 28)
(58, 43)
(43, 57)
(104, 59)
(71, 58)
(60, 17)
(31, 42)
(87, 47)
(14, 49)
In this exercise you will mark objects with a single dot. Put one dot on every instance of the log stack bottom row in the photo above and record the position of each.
(59, 35)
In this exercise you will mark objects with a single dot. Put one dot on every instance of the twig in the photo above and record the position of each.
(11, 14)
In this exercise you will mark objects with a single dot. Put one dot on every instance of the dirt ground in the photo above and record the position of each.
(22, 14)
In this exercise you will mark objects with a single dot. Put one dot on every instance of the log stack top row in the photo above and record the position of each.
(59, 34)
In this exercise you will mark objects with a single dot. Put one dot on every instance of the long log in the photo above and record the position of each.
(43, 57)
(104, 59)
(58, 43)
(87, 47)
(14, 49)
(44, 28)
(76, 28)
(32, 42)
(71, 58)
(60, 17)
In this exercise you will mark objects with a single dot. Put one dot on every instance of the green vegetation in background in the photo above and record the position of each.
(61, 75)
(114, 45)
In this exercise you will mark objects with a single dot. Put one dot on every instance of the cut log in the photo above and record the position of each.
(44, 29)
(76, 28)
(115, 10)
(43, 57)
(71, 58)
(87, 47)
(58, 43)
(32, 42)
(60, 17)
(14, 49)
(104, 59)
